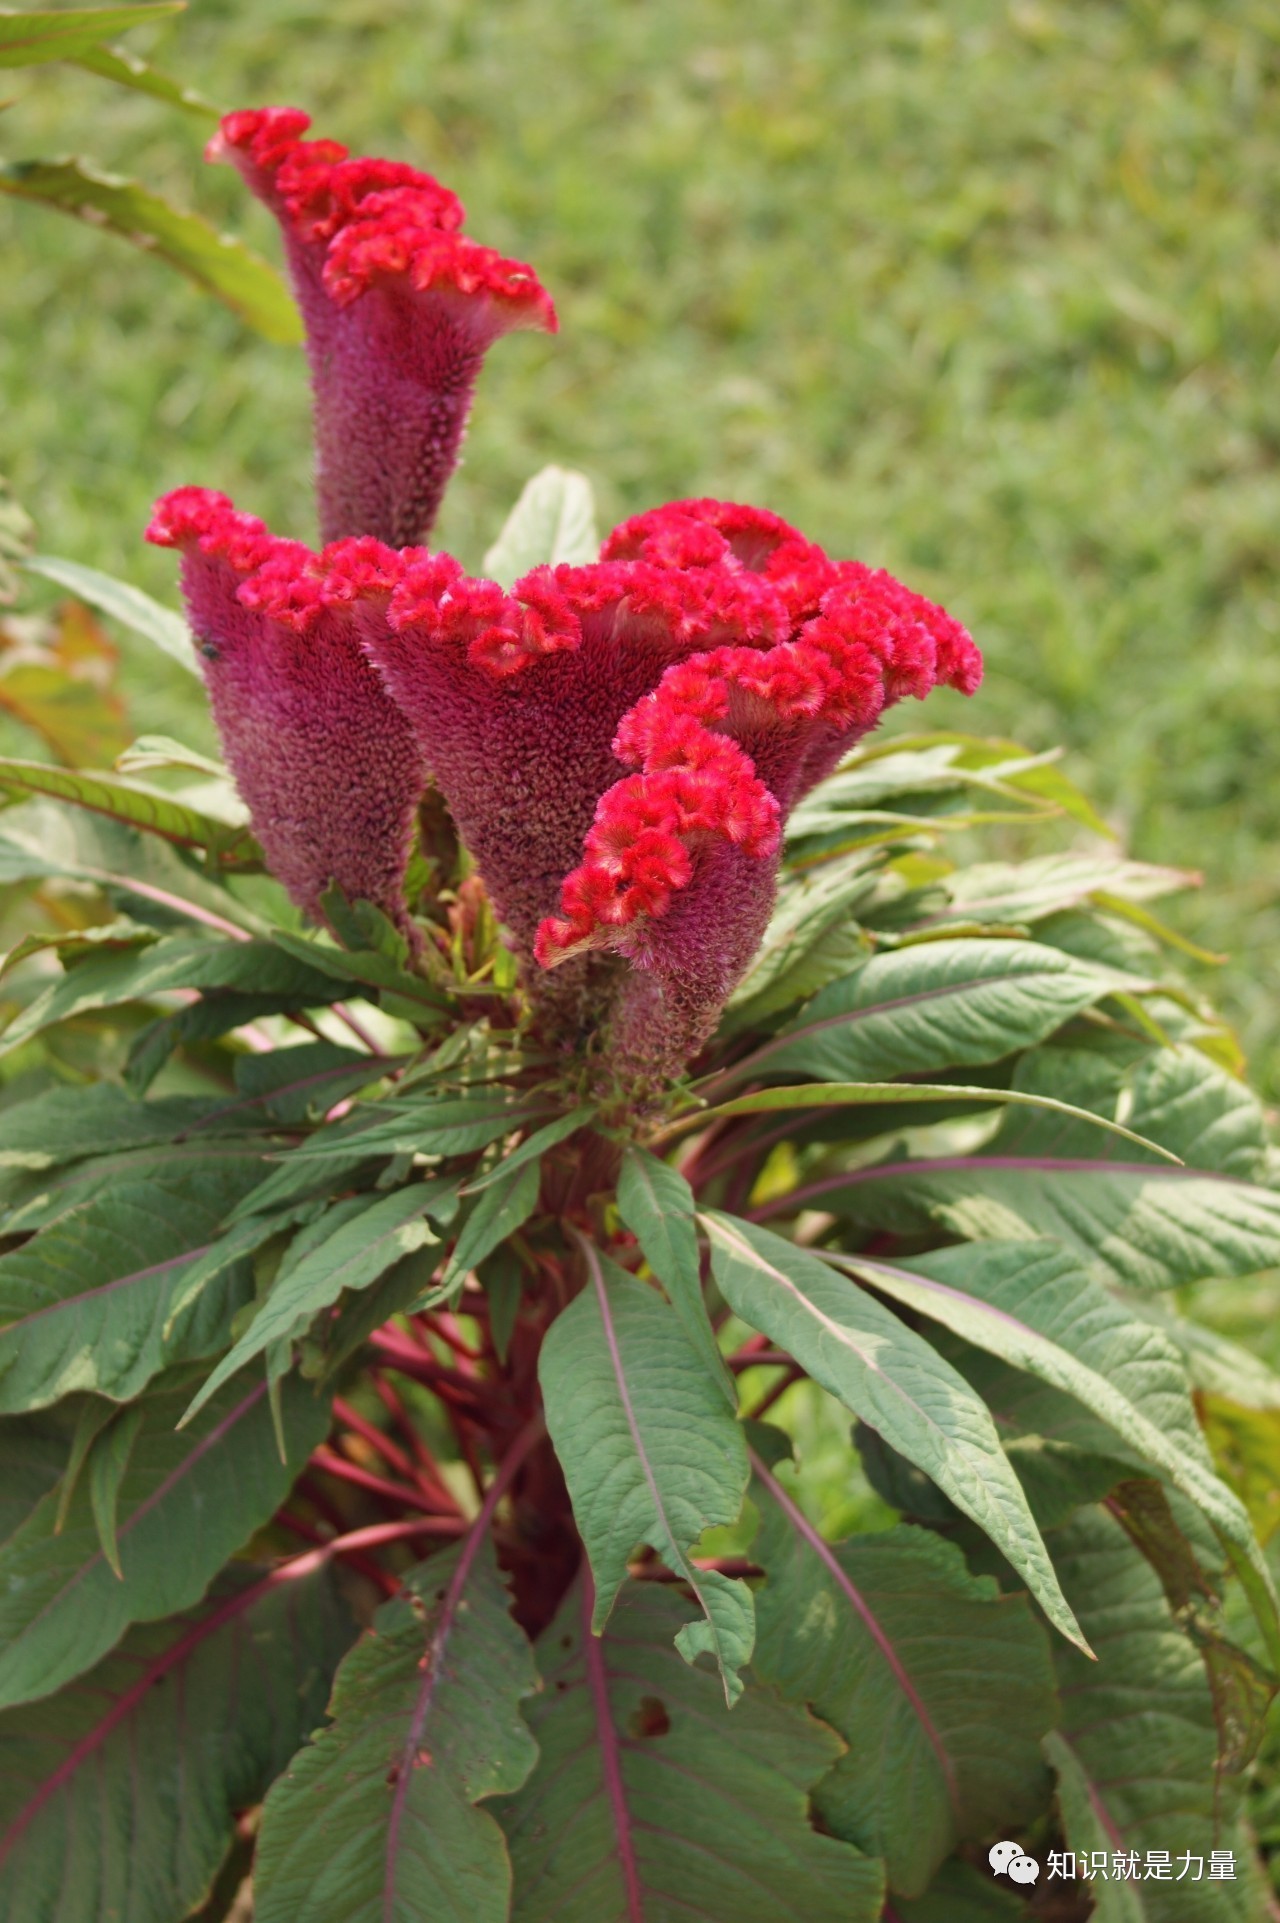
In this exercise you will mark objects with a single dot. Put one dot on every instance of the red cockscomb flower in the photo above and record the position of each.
(399, 307)
(619, 743)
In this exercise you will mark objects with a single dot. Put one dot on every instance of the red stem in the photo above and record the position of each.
(610, 1760)
(399, 1493)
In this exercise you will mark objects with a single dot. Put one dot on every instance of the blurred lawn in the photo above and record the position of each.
(989, 294)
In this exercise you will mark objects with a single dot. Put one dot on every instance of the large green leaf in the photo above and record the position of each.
(217, 263)
(503, 1205)
(377, 1820)
(125, 68)
(212, 1704)
(939, 1004)
(960, 1893)
(186, 1503)
(135, 803)
(653, 1801)
(1174, 1096)
(124, 603)
(1137, 1225)
(181, 961)
(657, 1205)
(27, 38)
(349, 1248)
(1034, 1306)
(553, 521)
(941, 1687)
(124, 1285)
(446, 1126)
(890, 1377)
(46, 838)
(649, 1450)
(63, 1123)
(1137, 1744)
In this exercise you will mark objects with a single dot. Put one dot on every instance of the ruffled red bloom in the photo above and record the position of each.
(714, 651)
(399, 307)
(324, 759)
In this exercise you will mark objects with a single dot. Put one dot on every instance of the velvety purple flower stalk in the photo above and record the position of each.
(399, 308)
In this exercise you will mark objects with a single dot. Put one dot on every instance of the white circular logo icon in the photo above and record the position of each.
(1007, 1859)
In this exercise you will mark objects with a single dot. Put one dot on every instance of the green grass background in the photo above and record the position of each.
(987, 293)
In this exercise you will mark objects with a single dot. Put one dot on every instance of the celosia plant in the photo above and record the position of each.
(394, 1297)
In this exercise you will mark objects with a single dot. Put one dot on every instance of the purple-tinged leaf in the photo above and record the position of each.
(652, 1800)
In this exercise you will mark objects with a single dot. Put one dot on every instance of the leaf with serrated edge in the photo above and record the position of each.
(124, 1285)
(216, 1700)
(186, 1503)
(1137, 1225)
(1035, 1307)
(657, 1205)
(377, 1820)
(553, 521)
(651, 1799)
(1137, 1740)
(890, 1377)
(649, 1450)
(938, 1004)
(890, 1633)
(364, 1244)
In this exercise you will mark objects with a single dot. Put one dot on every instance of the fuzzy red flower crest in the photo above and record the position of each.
(619, 743)
(399, 307)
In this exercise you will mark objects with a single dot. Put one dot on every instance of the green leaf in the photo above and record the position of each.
(553, 521)
(181, 961)
(186, 1503)
(535, 1146)
(818, 1095)
(214, 1702)
(1137, 1744)
(445, 1126)
(1142, 1226)
(1033, 1305)
(216, 263)
(657, 1205)
(124, 603)
(961, 1894)
(136, 804)
(896, 1382)
(125, 68)
(347, 1249)
(106, 1464)
(652, 1799)
(376, 1821)
(890, 1634)
(45, 838)
(118, 1288)
(503, 1206)
(1025, 892)
(27, 38)
(809, 941)
(938, 1004)
(649, 1451)
(36, 1456)
(61, 1124)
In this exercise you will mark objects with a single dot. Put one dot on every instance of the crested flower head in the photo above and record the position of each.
(399, 308)
(619, 743)
(326, 763)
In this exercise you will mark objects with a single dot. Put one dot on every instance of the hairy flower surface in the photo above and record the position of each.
(324, 759)
(399, 308)
(619, 743)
